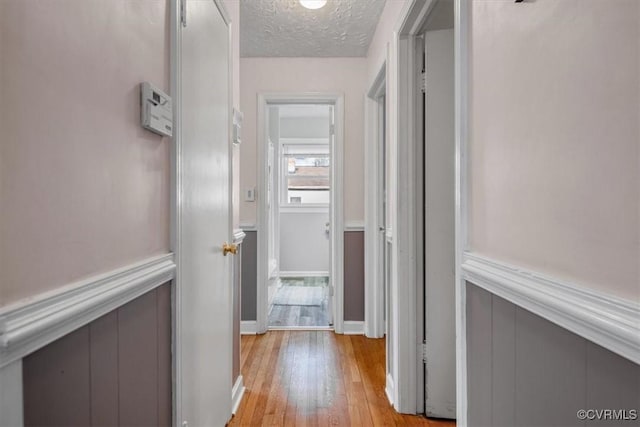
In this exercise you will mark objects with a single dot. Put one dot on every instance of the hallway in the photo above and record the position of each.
(316, 378)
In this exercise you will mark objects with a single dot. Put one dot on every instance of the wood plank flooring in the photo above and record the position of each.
(290, 314)
(317, 378)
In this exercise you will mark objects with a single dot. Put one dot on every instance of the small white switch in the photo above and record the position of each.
(249, 195)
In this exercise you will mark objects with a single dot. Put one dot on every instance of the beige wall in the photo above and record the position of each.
(377, 53)
(83, 188)
(297, 75)
(554, 149)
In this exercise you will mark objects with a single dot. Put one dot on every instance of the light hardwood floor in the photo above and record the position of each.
(317, 378)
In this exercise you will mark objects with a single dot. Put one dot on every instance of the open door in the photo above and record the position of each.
(439, 233)
(203, 292)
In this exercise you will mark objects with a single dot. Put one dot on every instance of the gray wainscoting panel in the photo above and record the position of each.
(526, 371)
(503, 338)
(550, 372)
(104, 385)
(114, 371)
(479, 350)
(613, 382)
(249, 261)
(138, 362)
(57, 386)
(354, 275)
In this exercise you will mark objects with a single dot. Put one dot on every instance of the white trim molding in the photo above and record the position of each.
(336, 206)
(238, 236)
(237, 392)
(354, 226)
(374, 242)
(389, 389)
(610, 322)
(353, 327)
(248, 227)
(31, 324)
(285, 274)
(462, 22)
(248, 327)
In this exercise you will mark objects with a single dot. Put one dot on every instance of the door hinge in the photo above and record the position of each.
(424, 352)
(332, 129)
(183, 12)
(330, 290)
(423, 82)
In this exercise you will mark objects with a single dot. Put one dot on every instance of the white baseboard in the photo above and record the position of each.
(30, 324)
(248, 327)
(236, 394)
(608, 321)
(389, 389)
(353, 327)
(304, 274)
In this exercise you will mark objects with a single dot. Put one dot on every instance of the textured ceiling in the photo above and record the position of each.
(285, 28)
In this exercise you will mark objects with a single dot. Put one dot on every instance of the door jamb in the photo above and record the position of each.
(336, 207)
(404, 255)
(176, 190)
(374, 280)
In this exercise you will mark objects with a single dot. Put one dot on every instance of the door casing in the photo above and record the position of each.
(336, 206)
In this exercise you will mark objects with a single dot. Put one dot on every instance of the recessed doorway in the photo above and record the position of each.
(302, 232)
(300, 197)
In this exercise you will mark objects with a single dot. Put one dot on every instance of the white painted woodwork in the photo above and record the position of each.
(30, 324)
(353, 327)
(204, 309)
(439, 257)
(237, 393)
(462, 11)
(248, 327)
(375, 206)
(607, 320)
(11, 404)
(336, 269)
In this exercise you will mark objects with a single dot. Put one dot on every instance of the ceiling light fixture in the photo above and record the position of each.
(313, 4)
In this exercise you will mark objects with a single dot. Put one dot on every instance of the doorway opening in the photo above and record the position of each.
(300, 235)
(299, 227)
(435, 63)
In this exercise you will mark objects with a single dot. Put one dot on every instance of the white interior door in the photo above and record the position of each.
(440, 378)
(204, 290)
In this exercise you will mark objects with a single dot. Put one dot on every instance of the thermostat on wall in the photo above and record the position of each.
(156, 111)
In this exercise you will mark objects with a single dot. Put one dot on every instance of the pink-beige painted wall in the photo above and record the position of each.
(233, 7)
(555, 139)
(383, 37)
(297, 75)
(83, 188)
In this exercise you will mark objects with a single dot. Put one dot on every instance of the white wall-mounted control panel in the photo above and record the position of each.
(156, 110)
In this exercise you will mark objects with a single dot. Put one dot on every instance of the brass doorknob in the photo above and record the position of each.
(229, 248)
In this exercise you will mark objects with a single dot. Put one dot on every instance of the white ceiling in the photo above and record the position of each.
(284, 28)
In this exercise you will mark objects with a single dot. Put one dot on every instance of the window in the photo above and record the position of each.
(305, 173)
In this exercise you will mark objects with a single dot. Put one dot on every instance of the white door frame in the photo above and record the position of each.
(406, 265)
(336, 208)
(177, 189)
(373, 156)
